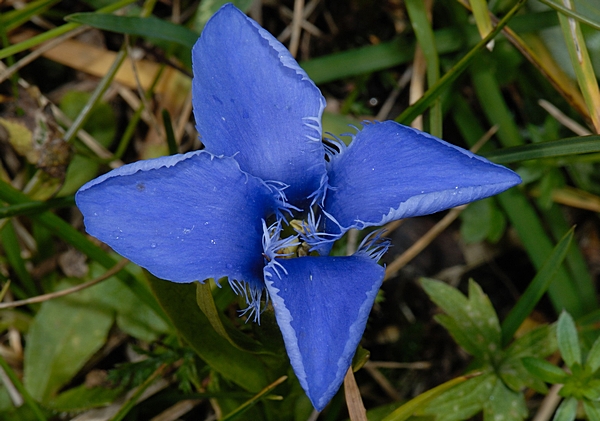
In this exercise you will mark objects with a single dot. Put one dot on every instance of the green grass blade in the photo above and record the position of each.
(150, 27)
(17, 17)
(482, 18)
(536, 289)
(582, 65)
(551, 149)
(410, 407)
(435, 91)
(95, 97)
(526, 221)
(55, 32)
(222, 325)
(252, 401)
(576, 264)
(559, 7)
(173, 149)
(39, 415)
(245, 369)
(492, 102)
(388, 54)
(139, 391)
(539, 246)
(11, 247)
(31, 208)
(424, 32)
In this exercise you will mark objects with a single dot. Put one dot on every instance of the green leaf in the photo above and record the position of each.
(253, 401)
(223, 326)
(460, 334)
(65, 333)
(424, 33)
(150, 27)
(551, 149)
(361, 357)
(15, 18)
(536, 289)
(409, 408)
(384, 55)
(101, 124)
(133, 316)
(207, 8)
(514, 374)
(436, 90)
(506, 405)
(179, 302)
(484, 316)
(463, 401)
(82, 398)
(482, 220)
(482, 18)
(55, 32)
(544, 370)
(591, 390)
(471, 321)
(593, 358)
(592, 410)
(581, 17)
(567, 410)
(539, 342)
(568, 340)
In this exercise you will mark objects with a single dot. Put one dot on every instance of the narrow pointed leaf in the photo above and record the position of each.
(544, 370)
(464, 400)
(536, 289)
(179, 302)
(554, 148)
(251, 402)
(150, 27)
(593, 357)
(409, 408)
(505, 403)
(466, 322)
(592, 410)
(567, 410)
(223, 326)
(568, 340)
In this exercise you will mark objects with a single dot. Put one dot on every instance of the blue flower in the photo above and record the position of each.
(220, 212)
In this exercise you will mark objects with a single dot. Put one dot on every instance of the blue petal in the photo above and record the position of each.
(252, 101)
(391, 171)
(322, 305)
(184, 217)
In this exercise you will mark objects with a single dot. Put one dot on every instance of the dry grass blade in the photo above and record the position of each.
(582, 64)
(549, 404)
(563, 119)
(174, 412)
(356, 409)
(382, 381)
(41, 298)
(39, 52)
(296, 26)
(422, 242)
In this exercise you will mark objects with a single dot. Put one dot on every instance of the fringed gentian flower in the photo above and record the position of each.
(221, 212)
